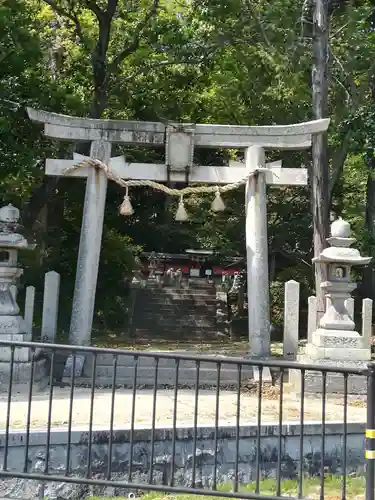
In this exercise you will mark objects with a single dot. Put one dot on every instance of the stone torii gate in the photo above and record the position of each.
(179, 141)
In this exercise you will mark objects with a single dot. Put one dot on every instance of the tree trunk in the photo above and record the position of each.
(320, 171)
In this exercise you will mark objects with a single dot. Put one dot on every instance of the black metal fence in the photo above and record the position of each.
(211, 430)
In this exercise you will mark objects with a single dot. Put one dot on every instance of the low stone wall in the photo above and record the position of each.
(226, 453)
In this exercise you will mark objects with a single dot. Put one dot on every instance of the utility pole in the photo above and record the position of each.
(320, 168)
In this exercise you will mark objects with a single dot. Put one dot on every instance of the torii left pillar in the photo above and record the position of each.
(89, 247)
(91, 229)
(257, 252)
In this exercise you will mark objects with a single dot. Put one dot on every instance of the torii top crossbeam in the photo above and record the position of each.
(71, 128)
(179, 141)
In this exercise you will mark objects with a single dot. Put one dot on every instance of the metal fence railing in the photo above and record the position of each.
(211, 430)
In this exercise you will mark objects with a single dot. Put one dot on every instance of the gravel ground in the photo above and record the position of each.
(164, 408)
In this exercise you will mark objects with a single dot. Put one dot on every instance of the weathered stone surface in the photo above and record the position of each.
(50, 306)
(89, 248)
(11, 325)
(337, 338)
(29, 309)
(22, 376)
(291, 318)
(257, 254)
(335, 382)
(13, 291)
(349, 304)
(84, 129)
(342, 353)
(312, 317)
(204, 457)
(366, 321)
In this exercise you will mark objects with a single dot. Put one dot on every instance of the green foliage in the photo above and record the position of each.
(201, 61)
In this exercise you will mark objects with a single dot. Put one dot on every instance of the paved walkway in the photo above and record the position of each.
(164, 408)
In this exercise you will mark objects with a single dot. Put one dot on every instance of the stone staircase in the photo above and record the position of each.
(184, 313)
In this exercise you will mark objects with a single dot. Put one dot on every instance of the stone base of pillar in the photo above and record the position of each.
(338, 339)
(357, 384)
(316, 353)
(22, 375)
(21, 354)
(11, 325)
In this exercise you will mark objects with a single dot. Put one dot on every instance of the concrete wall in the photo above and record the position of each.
(226, 452)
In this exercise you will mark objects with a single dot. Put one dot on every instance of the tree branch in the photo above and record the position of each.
(259, 22)
(130, 49)
(160, 64)
(93, 6)
(72, 16)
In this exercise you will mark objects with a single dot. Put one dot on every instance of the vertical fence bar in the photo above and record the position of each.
(370, 434)
(113, 401)
(9, 402)
(28, 419)
(323, 444)
(173, 457)
(238, 414)
(197, 367)
(301, 426)
(216, 437)
(280, 452)
(259, 428)
(50, 399)
(131, 443)
(156, 371)
(92, 400)
(70, 419)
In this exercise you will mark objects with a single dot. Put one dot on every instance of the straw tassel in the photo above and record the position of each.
(218, 204)
(126, 206)
(181, 214)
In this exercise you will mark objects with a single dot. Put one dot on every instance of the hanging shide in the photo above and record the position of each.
(181, 214)
(126, 206)
(218, 204)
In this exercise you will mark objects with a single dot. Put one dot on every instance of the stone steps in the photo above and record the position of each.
(182, 333)
(174, 319)
(166, 374)
(176, 299)
(176, 312)
(183, 306)
(149, 361)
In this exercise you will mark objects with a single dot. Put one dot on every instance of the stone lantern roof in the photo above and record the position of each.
(339, 250)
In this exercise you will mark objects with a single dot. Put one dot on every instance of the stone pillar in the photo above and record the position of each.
(257, 254)
(312, 317)
(366, 321)
(89, 248)
(291, 318)
(349, 304)
(50, 306)
(29, 308)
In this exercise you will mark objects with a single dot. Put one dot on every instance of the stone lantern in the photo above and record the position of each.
(335, 342)
(12, 326)
(10, 243)
(335, 337)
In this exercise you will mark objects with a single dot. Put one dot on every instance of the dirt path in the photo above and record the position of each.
(164, 408)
